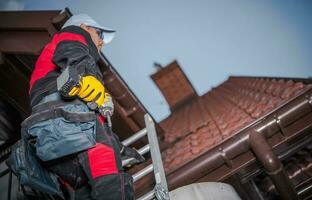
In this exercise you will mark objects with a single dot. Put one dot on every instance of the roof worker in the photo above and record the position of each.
(73, 140)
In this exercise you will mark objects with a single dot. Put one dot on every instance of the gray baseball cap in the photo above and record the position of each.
(77, 20)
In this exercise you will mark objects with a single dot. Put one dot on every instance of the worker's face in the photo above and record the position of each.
(95, 36)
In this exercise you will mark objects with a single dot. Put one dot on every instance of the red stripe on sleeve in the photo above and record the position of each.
(44, 64)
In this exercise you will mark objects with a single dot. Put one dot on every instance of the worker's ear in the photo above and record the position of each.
(83, 26)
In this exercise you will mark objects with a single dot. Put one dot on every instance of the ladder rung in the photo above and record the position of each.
(144, 149)
(137, 176)
(141, 151)
(148, 196)
(135, 137)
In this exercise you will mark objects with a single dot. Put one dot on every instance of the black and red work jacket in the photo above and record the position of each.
(72, 46)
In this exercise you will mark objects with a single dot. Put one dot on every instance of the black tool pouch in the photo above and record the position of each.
(28, 169)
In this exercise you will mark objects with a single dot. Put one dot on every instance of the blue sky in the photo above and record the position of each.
(211, 40)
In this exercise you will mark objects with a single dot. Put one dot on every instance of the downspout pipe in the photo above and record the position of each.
(272, 165)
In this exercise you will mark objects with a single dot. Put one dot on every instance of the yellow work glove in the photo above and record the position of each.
(91, 89)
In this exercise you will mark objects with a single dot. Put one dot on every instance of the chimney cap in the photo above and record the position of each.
(158, 66)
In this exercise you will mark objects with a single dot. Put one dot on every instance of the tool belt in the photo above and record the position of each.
(56, 128)
(60, 128)
(53, 110)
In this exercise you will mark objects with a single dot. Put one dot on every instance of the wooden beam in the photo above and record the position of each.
(1, 58)
(23, 42)
(26, 20)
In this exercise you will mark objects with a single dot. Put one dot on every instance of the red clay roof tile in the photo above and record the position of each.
(219, 114)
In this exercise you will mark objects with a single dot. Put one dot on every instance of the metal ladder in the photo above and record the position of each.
(160, 191)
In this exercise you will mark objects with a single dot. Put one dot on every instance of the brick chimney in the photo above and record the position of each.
(174, 85)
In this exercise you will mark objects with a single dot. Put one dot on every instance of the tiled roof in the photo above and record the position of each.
(221, 113)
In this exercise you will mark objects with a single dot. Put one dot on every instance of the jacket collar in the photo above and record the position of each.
(78, 30)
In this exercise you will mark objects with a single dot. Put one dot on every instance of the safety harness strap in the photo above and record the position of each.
(56, 113)
(51, 105)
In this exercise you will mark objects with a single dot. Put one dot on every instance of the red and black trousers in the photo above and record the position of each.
(96, 173)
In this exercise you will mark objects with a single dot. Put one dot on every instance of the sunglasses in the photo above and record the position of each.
(99, 32)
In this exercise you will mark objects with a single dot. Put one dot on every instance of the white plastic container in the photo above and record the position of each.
(205, 191)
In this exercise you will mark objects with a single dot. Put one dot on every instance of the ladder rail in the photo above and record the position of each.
(160, 191)
(159, 171)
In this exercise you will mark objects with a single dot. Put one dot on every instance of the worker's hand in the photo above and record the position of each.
(108, 105)
(128, 152)
(91, 89)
